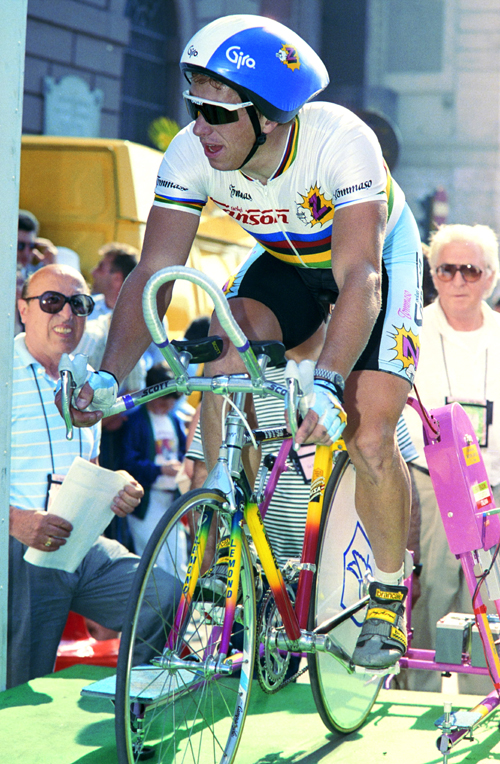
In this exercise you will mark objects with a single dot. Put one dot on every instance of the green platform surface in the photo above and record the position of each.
(47, 722)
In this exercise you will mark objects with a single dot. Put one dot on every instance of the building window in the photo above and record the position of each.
(414, 36)
(150, 80)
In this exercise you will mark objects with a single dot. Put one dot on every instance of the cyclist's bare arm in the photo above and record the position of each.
(357, 241)
(168, 239)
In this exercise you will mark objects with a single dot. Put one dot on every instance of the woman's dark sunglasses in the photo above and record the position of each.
(213, 112)
(54, 302)
(446, 272)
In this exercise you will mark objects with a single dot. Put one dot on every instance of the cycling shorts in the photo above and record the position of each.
(300, 298)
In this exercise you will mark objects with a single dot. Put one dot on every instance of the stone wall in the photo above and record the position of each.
(449, 118)
(79, 37)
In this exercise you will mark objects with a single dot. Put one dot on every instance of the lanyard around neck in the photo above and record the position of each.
(446, 368)
(47, 421)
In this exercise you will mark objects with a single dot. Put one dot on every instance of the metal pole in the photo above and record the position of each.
(12, 51)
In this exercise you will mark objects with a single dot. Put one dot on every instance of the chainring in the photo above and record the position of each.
(272, 664)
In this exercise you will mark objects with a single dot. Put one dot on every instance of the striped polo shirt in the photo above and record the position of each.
(38, 429)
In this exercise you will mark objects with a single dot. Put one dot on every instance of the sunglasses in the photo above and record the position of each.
(22, 245)
(54, 302)
(213, 112)
(446, 272)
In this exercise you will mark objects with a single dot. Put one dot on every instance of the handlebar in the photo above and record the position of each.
(222, 384)
(226, 319)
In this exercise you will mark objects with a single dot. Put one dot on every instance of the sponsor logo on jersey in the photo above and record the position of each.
(315, 208)
(169, 184)
(192, 51)
(235, 55)
(404, 311)
(340, 192)
(239, 194)
(407, 347)
(288, 55)
(256, 217)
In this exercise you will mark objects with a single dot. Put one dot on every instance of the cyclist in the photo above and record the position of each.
(308, 181)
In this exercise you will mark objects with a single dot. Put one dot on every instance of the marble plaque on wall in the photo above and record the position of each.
(71, 108)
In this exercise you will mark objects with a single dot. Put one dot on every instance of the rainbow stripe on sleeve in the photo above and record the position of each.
(191, 205)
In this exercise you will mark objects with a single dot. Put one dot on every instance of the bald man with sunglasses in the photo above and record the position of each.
(459, 361)
(54, 305)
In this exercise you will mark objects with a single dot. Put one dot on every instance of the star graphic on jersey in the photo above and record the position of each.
(320, 210)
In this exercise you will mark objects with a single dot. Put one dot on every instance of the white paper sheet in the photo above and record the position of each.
(84, 499)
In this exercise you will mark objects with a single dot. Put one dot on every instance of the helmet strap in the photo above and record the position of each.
(260, 137)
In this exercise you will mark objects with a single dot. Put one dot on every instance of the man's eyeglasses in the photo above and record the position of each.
(213, 112)
(54, 302)
(446, 272)
(22, 245)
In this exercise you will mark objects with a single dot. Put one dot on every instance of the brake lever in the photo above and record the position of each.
(68, 384)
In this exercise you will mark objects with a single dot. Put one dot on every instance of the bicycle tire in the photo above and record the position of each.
(193, 718)
(343, 699)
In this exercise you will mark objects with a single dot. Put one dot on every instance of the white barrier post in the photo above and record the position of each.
(12, 52)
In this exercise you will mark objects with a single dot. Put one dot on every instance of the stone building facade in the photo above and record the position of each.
(441, 59)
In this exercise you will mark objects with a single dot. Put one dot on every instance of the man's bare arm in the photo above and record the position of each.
(357, 241)
(168, 240)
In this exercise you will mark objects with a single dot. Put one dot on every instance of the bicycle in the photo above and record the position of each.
(189, 702)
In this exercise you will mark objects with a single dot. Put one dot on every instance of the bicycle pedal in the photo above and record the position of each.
(392, 670)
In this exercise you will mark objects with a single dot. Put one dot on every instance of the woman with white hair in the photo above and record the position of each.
(459, 361)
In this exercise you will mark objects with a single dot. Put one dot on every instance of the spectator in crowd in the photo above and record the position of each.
(32, 253)
(117, 260)
(154, 444)
(53, 308)
(459, 361)
(27, 231)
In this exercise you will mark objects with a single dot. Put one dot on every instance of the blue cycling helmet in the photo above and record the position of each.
(263, 60)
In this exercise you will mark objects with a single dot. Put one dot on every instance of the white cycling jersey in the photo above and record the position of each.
(332, 159)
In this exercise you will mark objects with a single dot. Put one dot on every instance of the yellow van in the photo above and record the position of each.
(89, 191)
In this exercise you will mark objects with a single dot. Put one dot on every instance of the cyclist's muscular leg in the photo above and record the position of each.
(374, 401)
(259, 323)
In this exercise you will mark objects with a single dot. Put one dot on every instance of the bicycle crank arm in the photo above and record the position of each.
(309, 642)
(344, 615)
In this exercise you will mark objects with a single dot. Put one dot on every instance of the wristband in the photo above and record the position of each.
(105, 371)
(331, 386)
(334, 377)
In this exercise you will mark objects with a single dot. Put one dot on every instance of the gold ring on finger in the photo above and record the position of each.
(48, 542)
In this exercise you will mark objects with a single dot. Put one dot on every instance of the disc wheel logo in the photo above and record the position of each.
(357, 564)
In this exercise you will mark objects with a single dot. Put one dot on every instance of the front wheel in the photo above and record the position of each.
(171, 702)
(344, 559)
